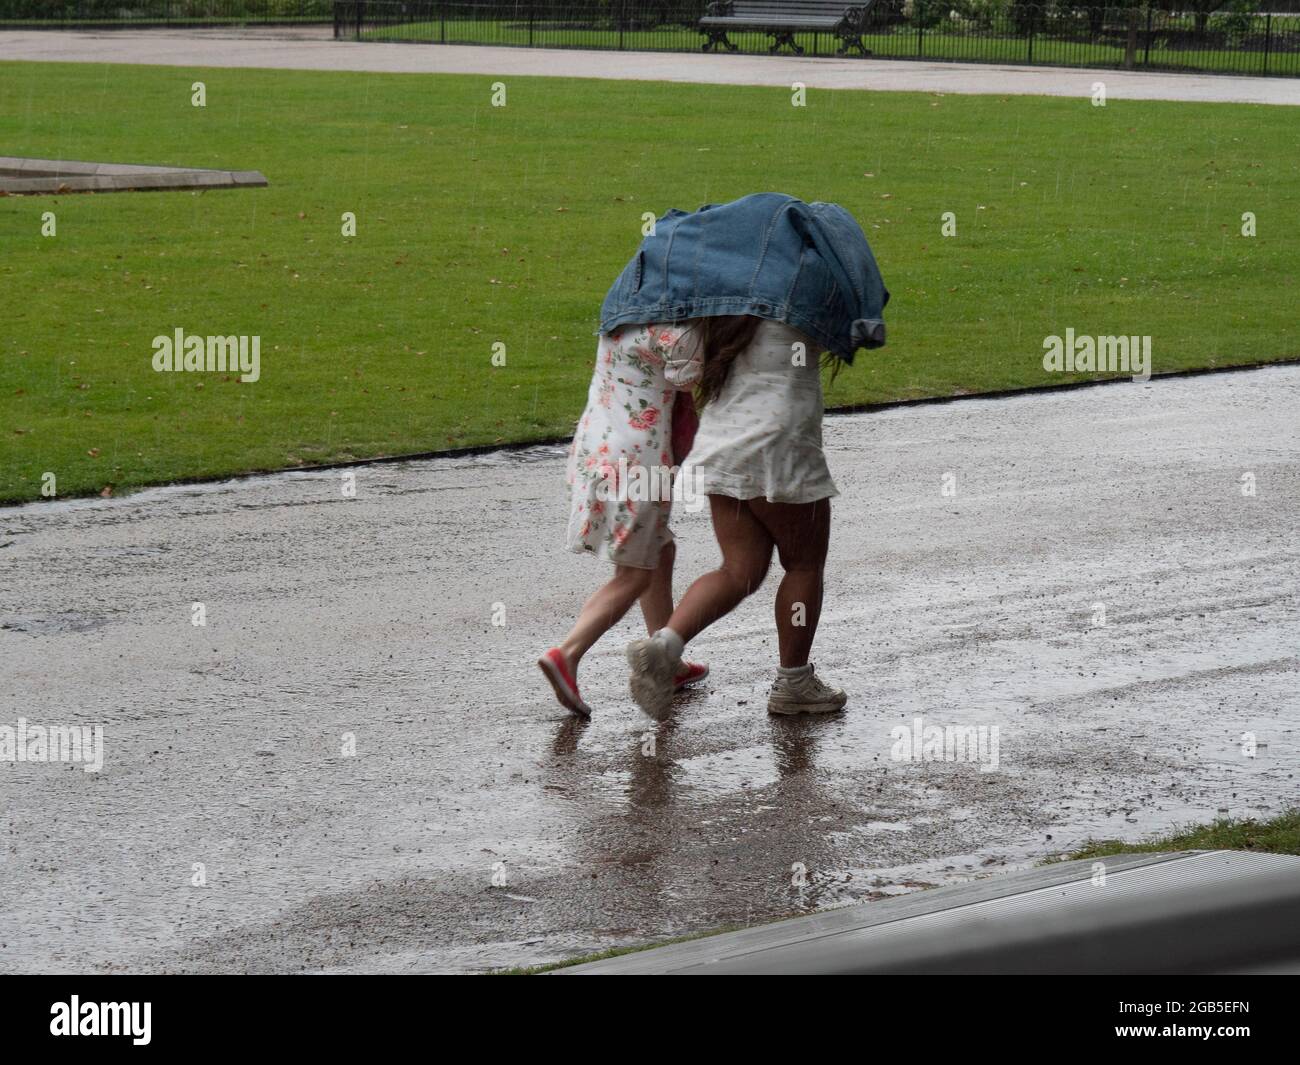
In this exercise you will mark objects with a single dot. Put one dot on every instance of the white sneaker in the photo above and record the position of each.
(805, 694)
(653, 673)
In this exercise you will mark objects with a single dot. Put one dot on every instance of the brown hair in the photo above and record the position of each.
(722, 338)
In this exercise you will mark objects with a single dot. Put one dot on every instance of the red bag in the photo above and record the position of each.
(685, 422)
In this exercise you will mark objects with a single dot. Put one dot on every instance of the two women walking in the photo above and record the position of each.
(735, 302)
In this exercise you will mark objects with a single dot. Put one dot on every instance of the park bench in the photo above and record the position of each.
(782, 19)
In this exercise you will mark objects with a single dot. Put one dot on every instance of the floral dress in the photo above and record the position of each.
(621, 462)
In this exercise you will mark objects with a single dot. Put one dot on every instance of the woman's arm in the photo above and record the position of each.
(682, 354)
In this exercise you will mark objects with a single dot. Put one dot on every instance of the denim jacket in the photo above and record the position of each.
(767, 255)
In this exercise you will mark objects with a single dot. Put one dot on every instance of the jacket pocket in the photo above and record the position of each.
(813, 289)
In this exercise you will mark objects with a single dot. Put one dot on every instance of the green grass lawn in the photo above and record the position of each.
(481, 224)
(1279, 835)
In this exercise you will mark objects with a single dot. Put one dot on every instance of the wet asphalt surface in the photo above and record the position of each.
(372, 616)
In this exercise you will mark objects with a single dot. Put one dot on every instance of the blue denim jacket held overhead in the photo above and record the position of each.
(769, 255)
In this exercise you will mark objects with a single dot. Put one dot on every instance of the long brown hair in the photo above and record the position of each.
(722, 338)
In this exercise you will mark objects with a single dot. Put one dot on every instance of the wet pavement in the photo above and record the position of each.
(232, 828)
(312, 49)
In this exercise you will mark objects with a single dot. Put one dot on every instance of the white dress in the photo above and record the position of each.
(762, 437)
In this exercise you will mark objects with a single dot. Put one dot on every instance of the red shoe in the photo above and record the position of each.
(556, 670)
(691, 673)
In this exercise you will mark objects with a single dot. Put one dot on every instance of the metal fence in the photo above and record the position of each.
(1136, 38)
(73, 14)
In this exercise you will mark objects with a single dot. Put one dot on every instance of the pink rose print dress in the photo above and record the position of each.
(629, 417)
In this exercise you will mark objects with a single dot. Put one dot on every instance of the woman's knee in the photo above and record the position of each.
(746, 572)
(803, 541)
(634, 581)
(810, 563)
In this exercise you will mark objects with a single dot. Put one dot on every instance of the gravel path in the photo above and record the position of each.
(313, 50)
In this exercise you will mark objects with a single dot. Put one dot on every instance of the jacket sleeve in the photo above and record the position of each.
(842, 245)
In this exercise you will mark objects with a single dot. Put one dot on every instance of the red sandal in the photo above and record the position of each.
(556, 670)
(690, 673)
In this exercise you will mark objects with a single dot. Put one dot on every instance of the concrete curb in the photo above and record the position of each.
(21, 176)
(1132, 915)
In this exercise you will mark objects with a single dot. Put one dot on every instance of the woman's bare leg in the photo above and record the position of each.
(802, 533)
(746, 552)
(657, 600)
(603, 611)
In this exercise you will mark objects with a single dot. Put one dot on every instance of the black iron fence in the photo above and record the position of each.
(1001, 31)
(112, 13)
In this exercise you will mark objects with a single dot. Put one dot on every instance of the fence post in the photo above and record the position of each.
(531, 10)
(1131, 43)
(622, 19)
(1268, 38)
(442, 22)
(1146, 53)
(361, 15)
(920, 38)
(1033, 17)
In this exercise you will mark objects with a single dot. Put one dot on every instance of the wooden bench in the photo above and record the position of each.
(782, 19)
